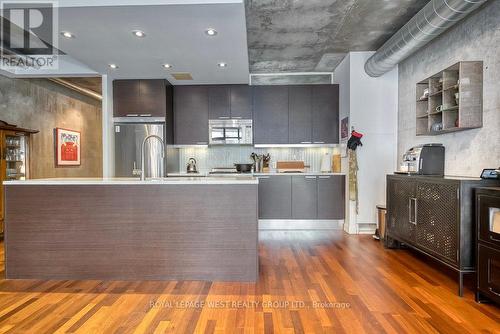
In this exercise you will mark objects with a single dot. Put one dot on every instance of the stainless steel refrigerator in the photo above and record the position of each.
(128, 143)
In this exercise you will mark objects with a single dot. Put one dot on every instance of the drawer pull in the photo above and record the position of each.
(493, 291)
(319, 142)
(494, 239)
(414, 206)
(262, 177)
(310, 177)
(324, 177)
(224, 117)
(306, 142)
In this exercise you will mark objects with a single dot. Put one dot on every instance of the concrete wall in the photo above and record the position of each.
(372, 109)
(475, 38)
(43, 105)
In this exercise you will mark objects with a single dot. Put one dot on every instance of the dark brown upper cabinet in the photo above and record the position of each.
(230, 101)
(241, 102)
(169, 117)
(139, 98)
(219, 102)
(126, 98)
(300, 114)
(270, 115)
(296, 114)
(325, 114)
(191, 115)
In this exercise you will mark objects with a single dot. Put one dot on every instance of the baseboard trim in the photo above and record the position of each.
(300, 224)
(366, 229)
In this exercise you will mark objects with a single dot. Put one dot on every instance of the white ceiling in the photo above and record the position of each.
(174, 35)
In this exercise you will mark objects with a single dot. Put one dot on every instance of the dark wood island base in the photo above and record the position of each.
(132, 231)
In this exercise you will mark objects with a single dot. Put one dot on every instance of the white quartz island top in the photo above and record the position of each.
(136, 181)
(246, 175)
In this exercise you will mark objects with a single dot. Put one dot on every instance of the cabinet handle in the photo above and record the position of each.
(306, 142)
(201, 143)
(319, 142)
(310, 177)
(494, 239)
(493, 291)
(132, 115)
(237, 117)
(415, 210)
(223, 117)
(145, 115)
(410, 210)
(324, 177)
(262, 177)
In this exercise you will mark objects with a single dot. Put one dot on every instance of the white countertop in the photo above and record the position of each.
(205, 174)
(295, 174)
(135, 181)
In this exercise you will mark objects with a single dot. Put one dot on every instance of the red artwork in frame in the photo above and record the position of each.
(68, 147)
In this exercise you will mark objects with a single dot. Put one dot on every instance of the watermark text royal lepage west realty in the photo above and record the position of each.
(29, 35)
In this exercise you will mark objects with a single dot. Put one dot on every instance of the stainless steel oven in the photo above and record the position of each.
(230, 132)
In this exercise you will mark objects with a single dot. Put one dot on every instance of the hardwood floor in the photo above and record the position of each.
(310, 282)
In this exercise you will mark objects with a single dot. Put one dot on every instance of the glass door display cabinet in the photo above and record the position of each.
(14, 158)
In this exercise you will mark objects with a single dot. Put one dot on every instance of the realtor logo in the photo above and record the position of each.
(29, 35)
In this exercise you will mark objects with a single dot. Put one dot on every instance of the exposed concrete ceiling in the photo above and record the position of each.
(315, 35)
(316, 78)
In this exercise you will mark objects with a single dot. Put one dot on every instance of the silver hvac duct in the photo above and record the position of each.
(427, 24)
(77, 88)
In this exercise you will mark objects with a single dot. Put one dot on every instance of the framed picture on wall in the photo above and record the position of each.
(68, 147)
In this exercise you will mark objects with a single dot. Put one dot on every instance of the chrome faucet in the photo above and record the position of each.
(143, 149)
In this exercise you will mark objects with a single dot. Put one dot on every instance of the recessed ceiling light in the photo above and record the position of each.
(113, 66)
(222, 65)
(67, 34)
(211, 32)
(167, 66)
(139, 33)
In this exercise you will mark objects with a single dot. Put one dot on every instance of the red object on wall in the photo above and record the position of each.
(69, 152)
(68, 147)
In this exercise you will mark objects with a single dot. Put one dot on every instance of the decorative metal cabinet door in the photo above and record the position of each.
(438, 219)
(401, 209)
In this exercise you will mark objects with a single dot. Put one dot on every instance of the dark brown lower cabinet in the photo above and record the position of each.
(488, 244)
(331, 197)
(302, 197)
(435, 216)
(275, 197)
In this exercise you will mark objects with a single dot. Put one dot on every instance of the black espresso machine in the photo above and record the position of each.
(427, 159)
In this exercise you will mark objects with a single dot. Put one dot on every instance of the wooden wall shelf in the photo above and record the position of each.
(441, 108)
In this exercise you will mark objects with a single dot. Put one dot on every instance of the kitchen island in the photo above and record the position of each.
(126, 229)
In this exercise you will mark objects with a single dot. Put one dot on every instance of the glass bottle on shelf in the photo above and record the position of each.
(15, 157)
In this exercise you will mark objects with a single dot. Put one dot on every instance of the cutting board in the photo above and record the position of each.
(290, 166)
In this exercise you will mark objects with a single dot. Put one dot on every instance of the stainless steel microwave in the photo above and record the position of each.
(230, 132)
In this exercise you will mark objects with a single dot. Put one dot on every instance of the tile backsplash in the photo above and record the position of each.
(226, 156)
